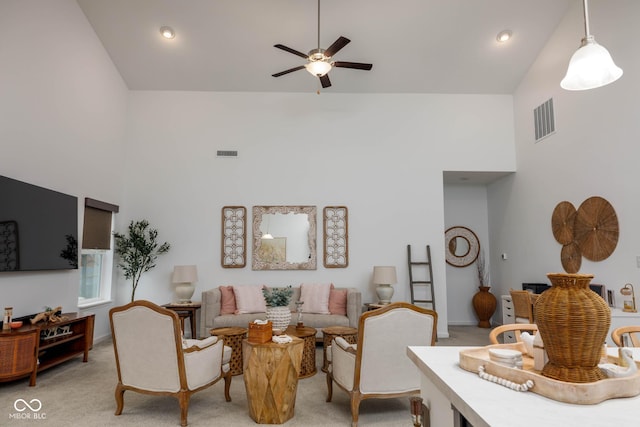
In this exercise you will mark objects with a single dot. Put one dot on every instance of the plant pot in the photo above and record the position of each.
(280, 317)
(573, 322)
(484, 304)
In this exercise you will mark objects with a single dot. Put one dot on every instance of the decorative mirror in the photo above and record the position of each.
(461, 246)
(336, 237)
(284, 238)
(234, 236)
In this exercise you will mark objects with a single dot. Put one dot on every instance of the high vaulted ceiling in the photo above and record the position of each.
(416, 46)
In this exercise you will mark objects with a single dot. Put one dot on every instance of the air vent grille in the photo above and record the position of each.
(227, 153)
(544, 120)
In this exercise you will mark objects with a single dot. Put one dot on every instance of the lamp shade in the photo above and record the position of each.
(318, 68)
(591, 66)
(384, 275)
(185, 274)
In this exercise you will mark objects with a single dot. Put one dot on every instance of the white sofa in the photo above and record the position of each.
(211, 318)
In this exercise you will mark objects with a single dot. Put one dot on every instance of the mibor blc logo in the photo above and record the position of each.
(27, 410)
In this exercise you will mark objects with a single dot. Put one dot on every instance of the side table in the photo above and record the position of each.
(328, 334)
(186, 311)
(233, 337)
(308, 335)
(271, 379)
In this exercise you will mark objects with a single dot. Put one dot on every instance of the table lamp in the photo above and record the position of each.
(384, 277)
(184, 276)
(629, 305)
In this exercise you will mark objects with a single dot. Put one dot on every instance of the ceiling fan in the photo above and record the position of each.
(320, 61)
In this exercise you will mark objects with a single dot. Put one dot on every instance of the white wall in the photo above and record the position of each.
(466, 205)
(593, 153)
(62, 121)
(64, 110)
(380, 155)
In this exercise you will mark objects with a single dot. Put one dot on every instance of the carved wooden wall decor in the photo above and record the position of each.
(295, 224)
(591, 231)
(336, 237)
(234, 236)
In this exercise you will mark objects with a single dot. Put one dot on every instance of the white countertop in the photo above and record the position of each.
(487, 404)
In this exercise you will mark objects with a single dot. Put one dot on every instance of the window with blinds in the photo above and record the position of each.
(96, 255)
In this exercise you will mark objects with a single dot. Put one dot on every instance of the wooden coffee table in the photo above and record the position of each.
(233, 337)
(328, 334)
(271, 379)
(308, 335)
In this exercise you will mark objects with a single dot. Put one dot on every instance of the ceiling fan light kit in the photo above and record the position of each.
(319, 61)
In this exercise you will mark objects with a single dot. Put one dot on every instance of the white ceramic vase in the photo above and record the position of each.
(280, 317)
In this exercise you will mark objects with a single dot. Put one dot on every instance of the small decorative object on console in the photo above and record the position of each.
(16, 325)
(51, 315)
(6, 323)
(629, 305)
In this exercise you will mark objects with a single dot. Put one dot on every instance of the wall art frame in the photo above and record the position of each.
(336, 237)
(234, 237)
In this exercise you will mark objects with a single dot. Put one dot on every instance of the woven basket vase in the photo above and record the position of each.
(573, 322)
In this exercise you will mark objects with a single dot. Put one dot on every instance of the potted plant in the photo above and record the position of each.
(277, 300)
(484, 302)
(138, 251)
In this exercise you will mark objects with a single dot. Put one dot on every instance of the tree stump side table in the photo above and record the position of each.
(308, 335)
(328, 334)
(271, 379)
(232, 337)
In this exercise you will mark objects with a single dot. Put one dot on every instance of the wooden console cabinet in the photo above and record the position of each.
(26, 351)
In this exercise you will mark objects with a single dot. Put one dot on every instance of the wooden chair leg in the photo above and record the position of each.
(227, 386)
(119, 398)
(356, 398)
(329, 387)
(183, 399)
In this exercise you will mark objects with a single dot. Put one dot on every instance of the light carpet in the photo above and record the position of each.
(82, 394)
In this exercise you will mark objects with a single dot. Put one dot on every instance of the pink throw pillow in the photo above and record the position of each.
(338, 301)
(227, 300)
(315, 297)
(249, 299)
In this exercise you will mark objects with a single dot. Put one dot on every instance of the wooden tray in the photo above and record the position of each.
(576, 393)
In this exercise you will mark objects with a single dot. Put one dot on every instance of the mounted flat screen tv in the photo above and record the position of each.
(38, 228)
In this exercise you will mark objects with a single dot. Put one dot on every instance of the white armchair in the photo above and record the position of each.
(378, 366)
(153, 358)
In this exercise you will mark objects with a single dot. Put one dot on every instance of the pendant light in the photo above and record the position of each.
(591, 65)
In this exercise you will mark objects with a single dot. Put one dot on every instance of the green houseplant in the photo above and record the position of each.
(138, 251)
(277, 300)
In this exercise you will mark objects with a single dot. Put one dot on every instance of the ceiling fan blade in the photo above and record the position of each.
(290, 70)
(288, 49)
(336, 46)
(324, 81)
(356, 65)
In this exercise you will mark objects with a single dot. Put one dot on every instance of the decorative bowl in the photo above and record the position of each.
(16, 325)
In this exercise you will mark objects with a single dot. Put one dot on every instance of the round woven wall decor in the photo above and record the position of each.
(596, 229)
(469, 253)
(571, 258)
(562, 222)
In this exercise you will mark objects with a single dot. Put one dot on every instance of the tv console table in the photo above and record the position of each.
(34, 348)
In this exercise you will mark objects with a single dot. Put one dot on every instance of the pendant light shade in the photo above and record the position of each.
(591, 66)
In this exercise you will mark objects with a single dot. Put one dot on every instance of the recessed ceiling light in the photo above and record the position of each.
(503, 36)
(167, 32)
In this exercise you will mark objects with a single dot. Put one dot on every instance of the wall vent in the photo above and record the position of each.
(227, 153)
(544, 120)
